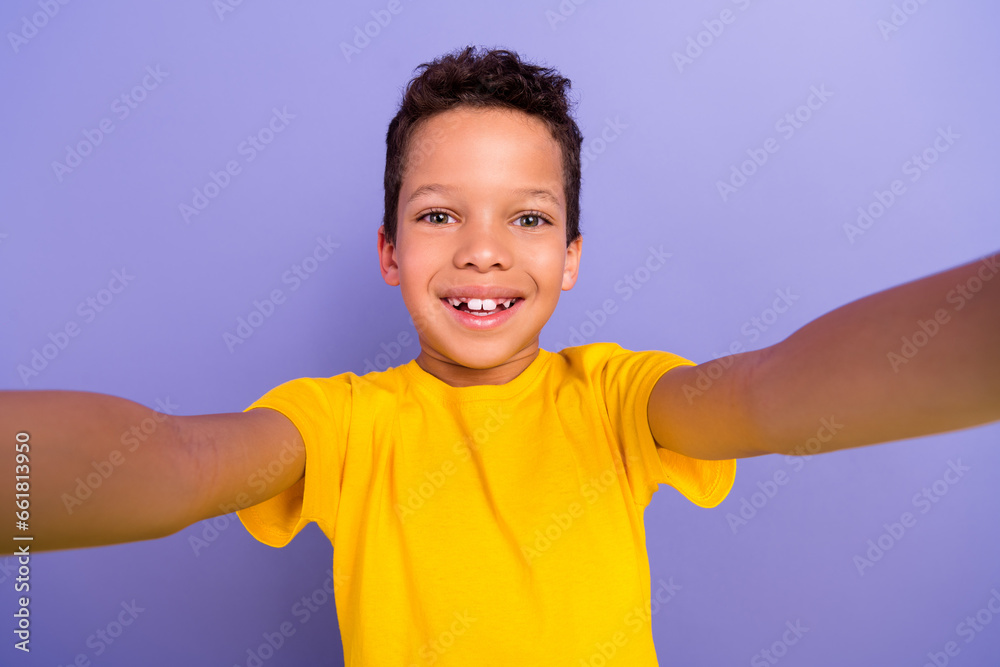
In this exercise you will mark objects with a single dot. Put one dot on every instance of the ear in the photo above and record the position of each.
(572, 266)
(387, 259)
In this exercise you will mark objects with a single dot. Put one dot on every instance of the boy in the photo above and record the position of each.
(485, 501)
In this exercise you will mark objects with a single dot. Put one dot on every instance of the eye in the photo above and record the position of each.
(534, 218)
(537, 218)
(435, 216)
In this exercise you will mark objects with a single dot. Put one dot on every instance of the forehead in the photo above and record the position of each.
(465, 117)
(507, 148)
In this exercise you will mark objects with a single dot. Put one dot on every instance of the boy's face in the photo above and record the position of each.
(468, 220)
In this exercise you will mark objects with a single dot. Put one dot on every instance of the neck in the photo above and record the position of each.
(457, 375)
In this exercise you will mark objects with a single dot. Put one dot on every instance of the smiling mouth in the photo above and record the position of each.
(482, 307)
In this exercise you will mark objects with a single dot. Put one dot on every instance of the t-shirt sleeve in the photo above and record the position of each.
(320, 408)
(629, 378)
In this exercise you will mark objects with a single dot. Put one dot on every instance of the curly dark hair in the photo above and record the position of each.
(494, 78)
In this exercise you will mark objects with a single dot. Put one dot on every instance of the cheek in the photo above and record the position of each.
(549, 264)
(413, 264)
(416, 273)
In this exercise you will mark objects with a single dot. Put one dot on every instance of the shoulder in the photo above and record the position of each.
(348, 382)
(591, 355)
(611, 360)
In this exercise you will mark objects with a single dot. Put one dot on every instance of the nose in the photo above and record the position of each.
(484, 246)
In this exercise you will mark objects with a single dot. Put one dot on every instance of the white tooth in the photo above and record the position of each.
(489, 304)
(455, 302)
(475, 304)
(508, 303)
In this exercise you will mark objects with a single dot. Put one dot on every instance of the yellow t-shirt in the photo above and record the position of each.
(487, 525)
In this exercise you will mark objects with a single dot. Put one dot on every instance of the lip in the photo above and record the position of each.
(481, 322)
(482, 292)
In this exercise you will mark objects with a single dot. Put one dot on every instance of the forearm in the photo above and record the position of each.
(100, 469)
(917, 359)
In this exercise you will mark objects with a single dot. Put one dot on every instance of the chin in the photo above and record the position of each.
(483, 354)
(480, 358)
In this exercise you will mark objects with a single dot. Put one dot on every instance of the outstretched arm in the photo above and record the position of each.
(94, 469)
(916, 359)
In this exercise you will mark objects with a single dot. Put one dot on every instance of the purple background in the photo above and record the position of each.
(654, 184)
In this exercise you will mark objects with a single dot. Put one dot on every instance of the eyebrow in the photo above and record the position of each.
(437, 188)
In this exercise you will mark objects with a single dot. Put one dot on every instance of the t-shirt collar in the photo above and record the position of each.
(439, 387)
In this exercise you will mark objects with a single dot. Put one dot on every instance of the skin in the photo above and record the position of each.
(483, 234)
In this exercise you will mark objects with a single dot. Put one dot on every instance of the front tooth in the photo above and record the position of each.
(489, 304)
(475, 304)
